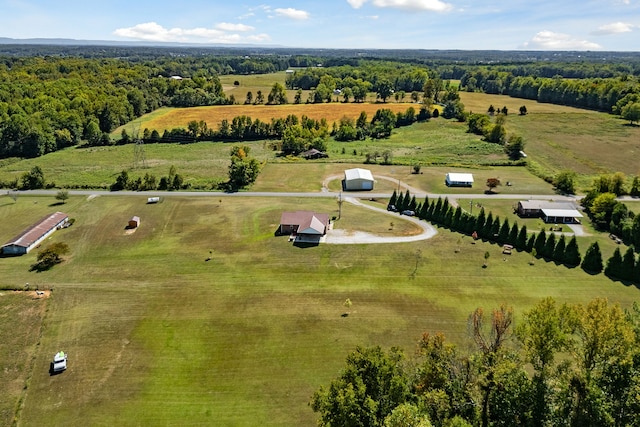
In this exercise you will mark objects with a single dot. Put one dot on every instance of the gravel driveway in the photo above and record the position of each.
(343, 237)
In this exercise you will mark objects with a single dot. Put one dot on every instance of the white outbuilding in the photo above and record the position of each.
(453, 179)
(358, 179)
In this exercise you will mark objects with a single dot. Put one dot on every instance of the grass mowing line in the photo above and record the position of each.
(20, 339)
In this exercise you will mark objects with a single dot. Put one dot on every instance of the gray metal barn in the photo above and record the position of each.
(358, 180)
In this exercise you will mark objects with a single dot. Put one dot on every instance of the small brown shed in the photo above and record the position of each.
(134, 222)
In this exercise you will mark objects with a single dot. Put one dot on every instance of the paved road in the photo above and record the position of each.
(326, 194)
(336, 236)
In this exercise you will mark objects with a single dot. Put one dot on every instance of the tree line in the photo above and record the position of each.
(297, 133)
(609, 214)
(372, 73)
(610, 94)
(561, 365)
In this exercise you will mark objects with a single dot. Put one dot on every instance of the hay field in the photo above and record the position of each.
(169, 118)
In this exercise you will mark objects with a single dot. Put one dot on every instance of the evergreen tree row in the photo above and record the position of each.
(548, 246)
(485, 226)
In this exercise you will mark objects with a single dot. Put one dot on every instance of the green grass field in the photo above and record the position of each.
(158, 335)
(558, 138)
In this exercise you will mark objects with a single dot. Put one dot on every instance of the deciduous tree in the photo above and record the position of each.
(492, 183)
(62, 195)
(371, 386)
(564, 182)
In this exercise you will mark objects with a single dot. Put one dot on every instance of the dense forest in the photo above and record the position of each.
(53, 97)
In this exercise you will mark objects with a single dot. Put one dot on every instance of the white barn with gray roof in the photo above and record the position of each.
(358, 179)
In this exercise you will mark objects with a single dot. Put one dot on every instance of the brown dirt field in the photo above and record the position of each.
(332, 112)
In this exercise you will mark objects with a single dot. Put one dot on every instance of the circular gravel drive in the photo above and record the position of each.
(343, 237)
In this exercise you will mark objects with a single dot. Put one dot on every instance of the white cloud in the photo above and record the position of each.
(225, 26)
(614, 28)
(356, 4)
(292, 13)
(432, 5)
(373, 17)
(154, 32)
(548, 40)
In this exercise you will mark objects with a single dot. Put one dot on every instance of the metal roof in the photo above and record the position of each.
(460, 177)
(36, 231)
(358, 173)
(564, 213)
(545, 204)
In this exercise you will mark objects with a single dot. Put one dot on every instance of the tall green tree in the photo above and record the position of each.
(572, 255)
(628, 265)
(614, 265)
(33, 179)
(384, 89)
(513, 234)
(514, 147)
(392, 200)
(559, 251)
(564, 182)
(480, 222)
(243, 169)
(539, 245)
(62, 195)
(631, 112)
(277, 95)
(592, 262)
(521, 241)
(603, 349)
(549, 246)
(490, 341)
(635, 187)
(371, 386)
(545, 334)
(503, 234)
(602, 208)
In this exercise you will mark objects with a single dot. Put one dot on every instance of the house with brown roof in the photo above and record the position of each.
(304, 225)
(35, 234)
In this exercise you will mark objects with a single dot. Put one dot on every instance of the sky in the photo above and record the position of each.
(611, 25)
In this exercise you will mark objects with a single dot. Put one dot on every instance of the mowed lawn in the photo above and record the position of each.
(156, 334)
